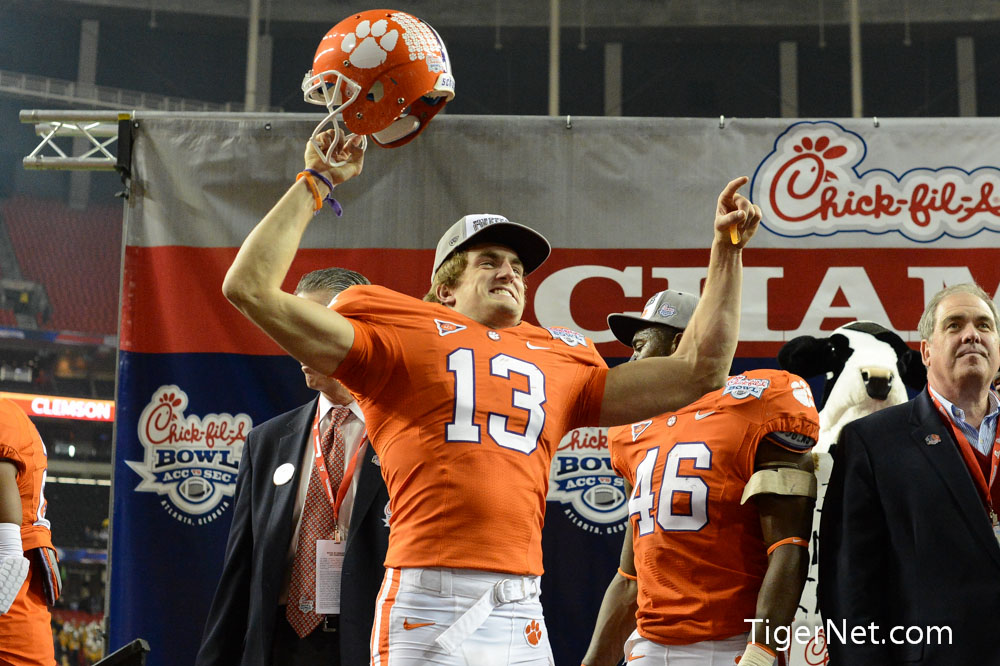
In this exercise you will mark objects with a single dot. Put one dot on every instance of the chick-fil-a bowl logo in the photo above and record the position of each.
(190, 461)
(812, 184)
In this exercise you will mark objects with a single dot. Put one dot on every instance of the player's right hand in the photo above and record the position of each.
(346, 158)
(735, 211)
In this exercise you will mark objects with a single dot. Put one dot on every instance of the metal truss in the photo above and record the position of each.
(89, 134)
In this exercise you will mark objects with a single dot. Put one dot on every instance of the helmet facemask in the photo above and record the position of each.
(317, 89)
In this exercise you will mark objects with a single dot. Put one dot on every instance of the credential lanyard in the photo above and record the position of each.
(320, 462)
(969, 456)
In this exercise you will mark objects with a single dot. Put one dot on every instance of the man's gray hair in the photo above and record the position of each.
(331, 280)
(928, 320)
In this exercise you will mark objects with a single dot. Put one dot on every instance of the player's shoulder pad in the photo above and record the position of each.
(777, 399)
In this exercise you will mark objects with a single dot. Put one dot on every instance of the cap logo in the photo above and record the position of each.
(667, 311)
(476, 223)
(453, 240)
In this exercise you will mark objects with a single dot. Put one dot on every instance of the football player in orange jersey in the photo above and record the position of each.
(707, 571)
(466, 405)
(29, 574)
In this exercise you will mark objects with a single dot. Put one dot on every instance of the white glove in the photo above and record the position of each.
(13, 572)
(756, 655)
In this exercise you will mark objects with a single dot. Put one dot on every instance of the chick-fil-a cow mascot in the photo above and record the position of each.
(867, 368)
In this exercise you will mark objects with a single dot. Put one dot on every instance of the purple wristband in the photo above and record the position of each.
(334, 204)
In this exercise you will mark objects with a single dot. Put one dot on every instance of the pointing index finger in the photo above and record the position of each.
(732, 187)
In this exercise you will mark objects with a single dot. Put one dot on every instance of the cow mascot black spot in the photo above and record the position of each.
(867, 367)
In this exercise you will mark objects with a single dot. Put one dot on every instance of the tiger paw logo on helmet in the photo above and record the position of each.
(376, 43)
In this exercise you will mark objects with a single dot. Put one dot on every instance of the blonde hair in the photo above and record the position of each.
(448, 274)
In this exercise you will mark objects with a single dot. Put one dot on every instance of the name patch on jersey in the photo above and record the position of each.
(446, 327)
(741, 387)
(569, 336)
(190, 461)
(795, 441)
(638, 428)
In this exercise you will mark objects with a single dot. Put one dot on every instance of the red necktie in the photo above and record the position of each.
(318, 523)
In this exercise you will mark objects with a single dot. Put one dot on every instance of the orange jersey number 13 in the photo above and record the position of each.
(462, 428)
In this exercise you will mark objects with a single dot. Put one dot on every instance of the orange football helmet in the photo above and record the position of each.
(385, 71)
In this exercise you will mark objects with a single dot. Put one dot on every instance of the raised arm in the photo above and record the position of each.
(652, 386)
(314, 335)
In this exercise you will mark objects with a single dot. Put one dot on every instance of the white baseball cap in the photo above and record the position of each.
(531, 247)
(673, 308)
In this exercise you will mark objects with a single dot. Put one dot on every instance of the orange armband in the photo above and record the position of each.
(621, 572)
(795, 541)
(312, 188)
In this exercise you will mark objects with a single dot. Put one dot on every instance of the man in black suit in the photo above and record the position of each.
(252, 615)
(910, 529)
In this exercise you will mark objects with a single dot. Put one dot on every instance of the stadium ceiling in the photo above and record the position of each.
(593, 13)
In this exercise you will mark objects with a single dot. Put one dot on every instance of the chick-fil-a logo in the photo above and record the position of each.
(582, 480)
(812, 184)
(191, 461)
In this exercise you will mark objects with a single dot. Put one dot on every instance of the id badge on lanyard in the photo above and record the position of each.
(329, 565)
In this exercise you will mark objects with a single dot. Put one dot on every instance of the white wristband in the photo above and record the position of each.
(755, 655)
(10, 540)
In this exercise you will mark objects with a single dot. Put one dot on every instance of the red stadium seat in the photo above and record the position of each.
(74, 254)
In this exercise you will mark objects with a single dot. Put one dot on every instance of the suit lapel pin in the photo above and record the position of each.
(283, 474)
(931, 440)
(375, 460)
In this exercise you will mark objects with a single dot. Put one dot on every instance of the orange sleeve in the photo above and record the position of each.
(15, 438)
(792, 412)
(618, 439)
(374, 354)
(592, 380)
(12, 436)
(785, 406)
